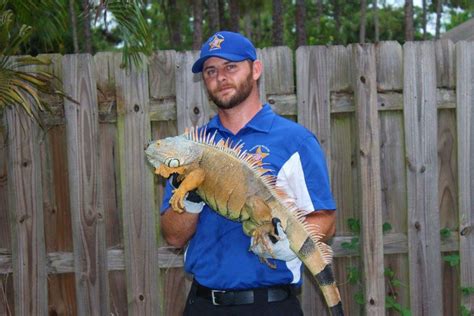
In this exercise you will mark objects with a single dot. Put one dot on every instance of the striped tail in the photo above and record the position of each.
(328, 287)
(317, 257)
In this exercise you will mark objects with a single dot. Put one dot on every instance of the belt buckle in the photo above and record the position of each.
(214, 297)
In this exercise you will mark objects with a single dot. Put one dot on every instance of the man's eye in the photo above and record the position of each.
(231, 67)
(210, 72)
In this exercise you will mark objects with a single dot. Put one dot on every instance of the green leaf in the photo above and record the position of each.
(465, 311)
(390, 302)
(386, 227)
(405, 312)
(353, 275)
(467, 290)
(453, 259)
(354, 225)
(346, 245)
(359, 298)
(396, 283)
(389, 273)
(445, 233)
(353, 245)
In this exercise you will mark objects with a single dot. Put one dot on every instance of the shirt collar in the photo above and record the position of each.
(261, 122)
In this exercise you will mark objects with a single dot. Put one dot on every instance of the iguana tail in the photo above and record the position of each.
(317, 257)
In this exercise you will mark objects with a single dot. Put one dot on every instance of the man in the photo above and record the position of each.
(229, 279)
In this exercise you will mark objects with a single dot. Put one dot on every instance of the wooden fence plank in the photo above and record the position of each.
(313, 93)
(173, 280)
(6, 290)
(420, 116)
(343, 171)
(465, 127)
(448, 203)
(365, 92)
(277, 81)
(57, 215)
(136, 190)
(105, 79)
(26, 214)
(445, 64)
(340, 68)
(392, 164)
(192, 105)
(314, 114)
(87, 214)
(389, 66)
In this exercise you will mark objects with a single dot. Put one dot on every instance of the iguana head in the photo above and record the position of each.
(173, 154)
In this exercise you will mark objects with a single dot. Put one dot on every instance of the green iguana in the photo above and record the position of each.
(247, 195)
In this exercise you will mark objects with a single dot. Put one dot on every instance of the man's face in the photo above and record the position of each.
(228, 83)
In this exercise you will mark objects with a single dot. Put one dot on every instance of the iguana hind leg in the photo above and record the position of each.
(260, 225)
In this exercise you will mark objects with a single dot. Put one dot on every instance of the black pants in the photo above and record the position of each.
(199, 306)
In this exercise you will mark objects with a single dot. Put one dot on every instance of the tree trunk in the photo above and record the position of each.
(337, 19)
(300, 23)
(234, 15)
(175, 25)
(423, 19)
(213, 15)
(223, 22)
(439, 10)
(409, 32)
(319, 12)
(87, 27)
(197, 24)
(363, 21)
(277, 25)
(72, 16)
(376, 22)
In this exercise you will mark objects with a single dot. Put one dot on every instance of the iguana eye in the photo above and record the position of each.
(173, 163)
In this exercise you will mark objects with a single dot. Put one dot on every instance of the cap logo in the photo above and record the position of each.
(216, 42)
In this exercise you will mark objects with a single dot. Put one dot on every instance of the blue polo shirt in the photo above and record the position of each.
(218, 254)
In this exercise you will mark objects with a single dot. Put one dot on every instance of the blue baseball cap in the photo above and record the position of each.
(228, 45)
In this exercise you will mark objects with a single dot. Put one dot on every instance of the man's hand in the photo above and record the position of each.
(192, 201)
(279, 249)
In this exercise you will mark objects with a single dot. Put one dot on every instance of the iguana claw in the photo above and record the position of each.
(177, 200)
(261, 237)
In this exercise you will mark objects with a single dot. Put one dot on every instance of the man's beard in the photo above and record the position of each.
(242, 93)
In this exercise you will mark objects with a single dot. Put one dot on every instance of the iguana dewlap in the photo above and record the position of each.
(233, 184)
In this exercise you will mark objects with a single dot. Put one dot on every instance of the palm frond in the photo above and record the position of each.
(21, 84)
(135, 29)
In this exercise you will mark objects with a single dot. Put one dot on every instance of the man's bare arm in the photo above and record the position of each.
(325, 220)
(178, 228)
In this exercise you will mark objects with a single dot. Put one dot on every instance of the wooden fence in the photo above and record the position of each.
(78, 204)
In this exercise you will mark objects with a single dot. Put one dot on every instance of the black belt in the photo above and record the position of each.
(240, 297)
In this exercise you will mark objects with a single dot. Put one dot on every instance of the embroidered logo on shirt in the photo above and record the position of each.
(259, 152)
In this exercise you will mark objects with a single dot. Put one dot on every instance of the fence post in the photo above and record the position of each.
(420, 114)
(25, 197)
(465, 124)
(367, 120)
(87, 214)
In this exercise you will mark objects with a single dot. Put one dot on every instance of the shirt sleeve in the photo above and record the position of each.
(304, 176)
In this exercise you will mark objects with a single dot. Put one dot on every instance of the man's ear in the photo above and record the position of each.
(257, 69)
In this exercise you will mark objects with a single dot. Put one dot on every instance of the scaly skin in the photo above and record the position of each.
(232, 184)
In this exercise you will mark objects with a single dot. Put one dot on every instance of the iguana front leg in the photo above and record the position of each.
(190, 182)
